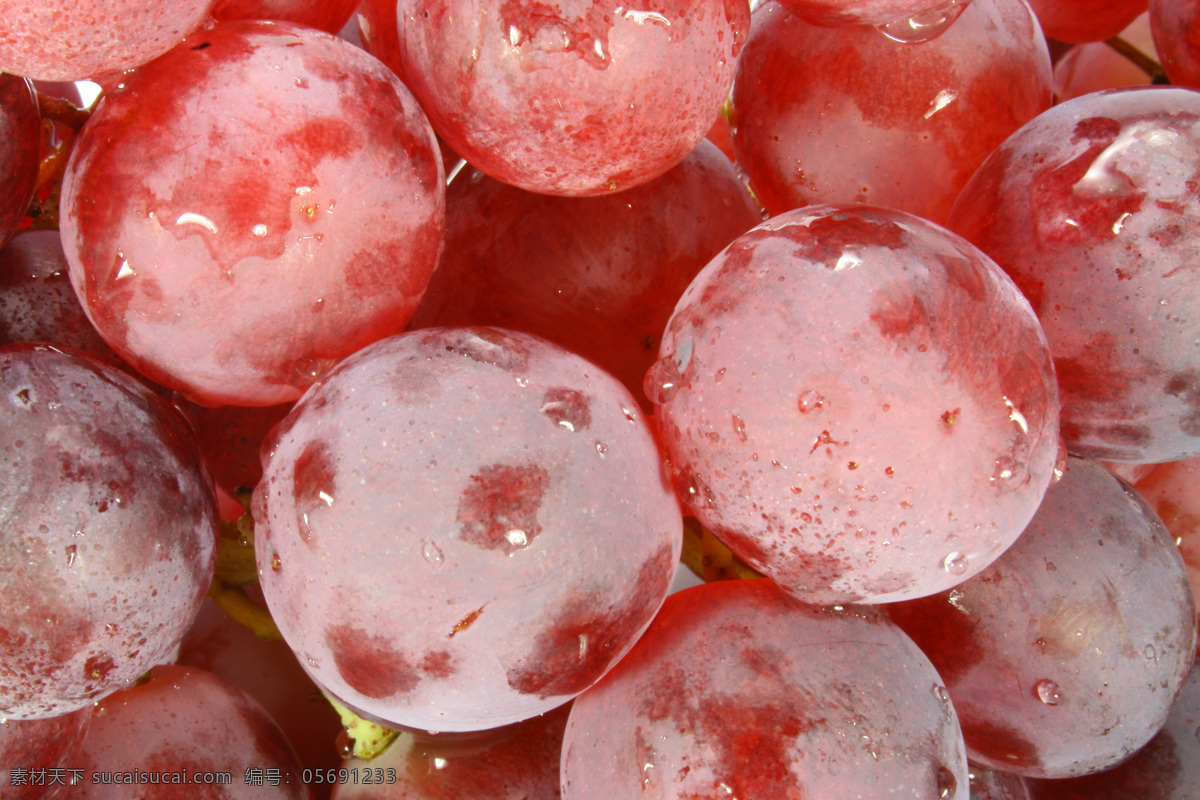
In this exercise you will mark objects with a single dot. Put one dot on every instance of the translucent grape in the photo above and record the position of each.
(858, 403)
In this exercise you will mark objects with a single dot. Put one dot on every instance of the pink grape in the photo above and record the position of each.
(1078, 21)
(1093, 209)
(20, 151)
(515, 762)
(738, 691)
(1095, 66)
(858, 403)
(597, 275)
(251, 207)
(571, 98)
(68, 40)
(107, 530)
(1065, 656)
(1173, 26)
(525, 542)
(191, 736)
(36, 755)
(847, 115)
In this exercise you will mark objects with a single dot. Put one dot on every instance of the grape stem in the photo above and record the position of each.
(370, 738)
(43, 211)
(705, 555)
(237, 569)
(1140, 60)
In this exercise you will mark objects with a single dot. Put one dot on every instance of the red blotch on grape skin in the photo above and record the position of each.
(576, 649)
(368, 664)
(498, 509)
(825, 238)
(485, 345)
(439, 664)
(998, 743)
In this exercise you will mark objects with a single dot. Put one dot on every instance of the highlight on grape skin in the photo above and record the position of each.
(109, 531)
(1064, 656)
(246, 210)
(858, 403)
(736, 690)
(1093, 209)
(525, 543)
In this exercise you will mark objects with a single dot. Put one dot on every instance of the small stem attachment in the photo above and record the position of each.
(43, 211)
(370, 738)
(711, 560)
(1140, 60)
(236, 569)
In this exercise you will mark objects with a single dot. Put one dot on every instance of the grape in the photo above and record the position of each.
(994, 784)
(571, 98)
(525, 543)
(1093, 210)
(1085, 20)
(327, 15)
(1096, 66)
(67, 40)
(847, 115)
(1173, 491)
(907, 20)
(735, 691)
(597, 275)
(107, 530)
(20, 150)
(251, 207)
(40, 747)
(515, 762)
(1064, 656)
(379, 32)
(1174, 31)
(858, 403)
(231, 438)
(187, 725)
(1168, 768)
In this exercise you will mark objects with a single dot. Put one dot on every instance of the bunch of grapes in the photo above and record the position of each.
(570, 399)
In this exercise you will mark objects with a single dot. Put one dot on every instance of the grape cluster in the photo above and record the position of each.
(389, 392)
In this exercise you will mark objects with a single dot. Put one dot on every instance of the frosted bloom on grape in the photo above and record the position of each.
(66, 40)
(108, 529)
(1093, 208)
(249, 208)
(859, 403)
(738, 691)
(463, 528)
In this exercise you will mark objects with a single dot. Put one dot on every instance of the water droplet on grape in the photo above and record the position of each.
(1048, 692)
(947, 784)
(811, 400)
(1005, 469)
(276, 563)
(925, 26)
(601, 448)
(955, 563)
(344, 743)
(432, 554)
(1150, 653)
(568, 408)
(739, 427)
(662, 381)
(1060, 462)
(70, 550)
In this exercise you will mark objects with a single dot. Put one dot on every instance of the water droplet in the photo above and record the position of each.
(1048, 692)
(720, 376)
(516, 537)
(568, 408)
(344, 743)
(739, 427)
(601, 448)
(924, 26)
(1005, 468)
(70, 550)
(276, 564)
(1060, 462)
(947, 784)
(941, 694)
(662, 381)
(810, 401)
(1150, 653)
(955, 563)
(432, 554)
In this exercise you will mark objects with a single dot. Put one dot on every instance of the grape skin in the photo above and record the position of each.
(735, 690)
(20, 151)
(571, 97)
(858, 403)
(37, 744)
(326, 15)
(1093, 209)
(107, 531)
(251, 207)
(525, 545)
(1065, 656)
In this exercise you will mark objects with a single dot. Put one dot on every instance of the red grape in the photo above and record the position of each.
(36, 755)
(1086, 20)
(858, 403)
(923, 19)
(251, 207)
(1096, 66)
(20, 151)
(1173, 25)
(1093, 208)
(571, 97)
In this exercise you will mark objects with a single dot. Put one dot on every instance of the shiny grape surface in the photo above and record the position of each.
(858, 403)
(598, 275)
(571, 97)
(848, 115)
(1093, 208)
(923, 19)
(1096, 66)
(1173, 25)
(251, 207)
(326, 15)
(738, 691)
(499, 495)
(1085, 20)
(107, 531)
(1064, 656)
(185, 721)
(20, 151)
(70, 40)
(30, 746)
